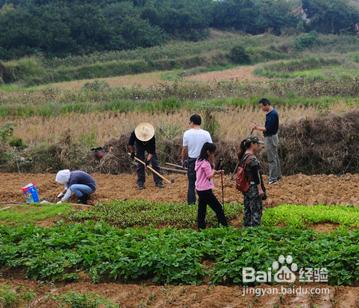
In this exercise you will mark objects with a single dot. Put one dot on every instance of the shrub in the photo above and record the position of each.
(239, 55)
(96, 85)
(25, 69)
(306, 40)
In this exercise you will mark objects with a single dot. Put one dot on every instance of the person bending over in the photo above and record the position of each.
(253, 205)
(77, 183)
(143, 140)
(204, 186)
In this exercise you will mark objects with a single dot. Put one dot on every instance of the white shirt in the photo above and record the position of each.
(194, 139)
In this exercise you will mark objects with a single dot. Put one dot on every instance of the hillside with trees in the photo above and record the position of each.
(63, 27)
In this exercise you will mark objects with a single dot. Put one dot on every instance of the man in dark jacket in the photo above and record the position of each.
(142, 141)
(271, 140)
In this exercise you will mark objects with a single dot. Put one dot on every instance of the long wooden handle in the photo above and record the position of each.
(176, 166)
(153, 170)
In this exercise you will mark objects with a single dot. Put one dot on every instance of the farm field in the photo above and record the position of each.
(58, 259)
(132, 248)
(296, 189)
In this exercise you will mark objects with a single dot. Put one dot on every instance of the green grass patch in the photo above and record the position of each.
(301, 216)
(29, 214)
(143, 213)
(83, 300)
(12, 297)
(286, 69)
(170, 255)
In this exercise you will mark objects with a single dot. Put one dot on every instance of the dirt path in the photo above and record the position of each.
(242, 73)
(133, 295)
(297, 189)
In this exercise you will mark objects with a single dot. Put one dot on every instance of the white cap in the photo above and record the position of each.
(63, 176)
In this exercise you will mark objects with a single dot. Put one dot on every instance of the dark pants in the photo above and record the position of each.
(207, 197)
(253, 207)
(191, 174)
(141, 175)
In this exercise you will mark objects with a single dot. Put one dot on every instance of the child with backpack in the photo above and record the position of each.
(204, 186)
(249, 181)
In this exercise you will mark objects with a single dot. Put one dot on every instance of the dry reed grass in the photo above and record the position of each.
(234, 123)
(142, 80)
(241, 73)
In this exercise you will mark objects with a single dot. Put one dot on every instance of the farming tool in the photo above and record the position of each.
(174, 170)
(176, 166)
(153, 170)
(219, 167)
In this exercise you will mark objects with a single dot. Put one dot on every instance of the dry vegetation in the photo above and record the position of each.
(143, 80)
(242, 73)
(234, 123)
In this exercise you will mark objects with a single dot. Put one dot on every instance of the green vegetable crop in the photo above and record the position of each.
(170, 255)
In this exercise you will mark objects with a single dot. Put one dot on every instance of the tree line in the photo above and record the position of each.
(62, 27)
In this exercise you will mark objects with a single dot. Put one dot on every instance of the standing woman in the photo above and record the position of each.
(204, 186)
(253, 205)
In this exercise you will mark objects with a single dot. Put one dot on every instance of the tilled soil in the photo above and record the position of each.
(133, 295)
(296, 189)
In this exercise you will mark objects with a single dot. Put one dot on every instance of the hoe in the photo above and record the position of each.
(153, 170)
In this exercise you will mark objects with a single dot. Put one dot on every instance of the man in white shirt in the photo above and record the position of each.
(193, 141)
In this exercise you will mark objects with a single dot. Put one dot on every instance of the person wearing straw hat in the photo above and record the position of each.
(142, 141)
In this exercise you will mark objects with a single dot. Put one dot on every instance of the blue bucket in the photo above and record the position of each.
(31, 193)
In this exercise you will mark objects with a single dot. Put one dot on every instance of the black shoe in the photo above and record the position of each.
(140, 187)
(83, 199)
(160, 185)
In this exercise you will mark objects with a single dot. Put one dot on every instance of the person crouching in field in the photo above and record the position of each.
(254, 192)
(77, 183)
(204, 186)
(143, 140)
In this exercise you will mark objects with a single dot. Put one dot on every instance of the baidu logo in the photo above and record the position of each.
(284, 270)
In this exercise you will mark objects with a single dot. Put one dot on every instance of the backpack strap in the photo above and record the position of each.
(245, 160)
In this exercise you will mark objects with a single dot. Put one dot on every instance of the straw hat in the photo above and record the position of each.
(144, 131)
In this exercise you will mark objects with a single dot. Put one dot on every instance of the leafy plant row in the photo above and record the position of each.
(170, 255)
(299, 216)
(144, 213)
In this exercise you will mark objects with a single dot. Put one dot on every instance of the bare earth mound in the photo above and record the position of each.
(296, 189)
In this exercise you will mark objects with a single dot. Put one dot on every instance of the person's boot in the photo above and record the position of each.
(160, 185)
(84, 199)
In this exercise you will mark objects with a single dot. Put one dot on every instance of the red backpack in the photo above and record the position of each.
(242, 180)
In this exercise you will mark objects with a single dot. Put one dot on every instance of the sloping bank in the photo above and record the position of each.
(171, 256)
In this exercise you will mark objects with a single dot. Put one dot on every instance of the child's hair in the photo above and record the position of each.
(245, 145)
(207, 147)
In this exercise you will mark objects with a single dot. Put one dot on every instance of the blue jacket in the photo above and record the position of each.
(272, 123)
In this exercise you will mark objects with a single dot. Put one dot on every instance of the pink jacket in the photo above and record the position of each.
(203, 172)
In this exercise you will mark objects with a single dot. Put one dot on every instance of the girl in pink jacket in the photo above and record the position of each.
(204, 186)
